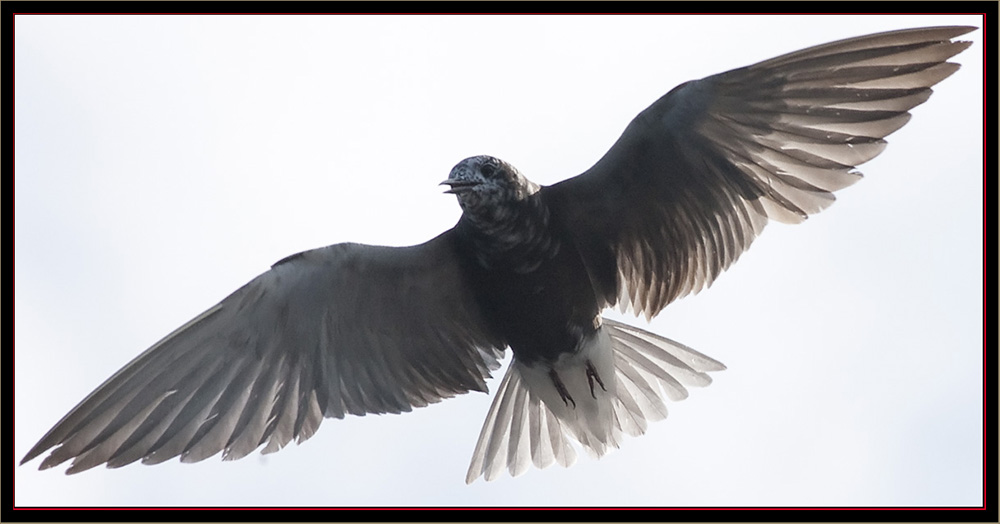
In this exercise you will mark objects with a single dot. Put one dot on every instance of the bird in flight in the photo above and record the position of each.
(357, 329)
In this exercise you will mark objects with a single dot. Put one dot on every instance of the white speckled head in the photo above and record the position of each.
(486, 180)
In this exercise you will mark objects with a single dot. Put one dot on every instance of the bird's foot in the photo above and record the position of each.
(561, 388)
(591, 376)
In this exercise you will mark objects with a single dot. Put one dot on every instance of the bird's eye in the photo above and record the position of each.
(487, 169)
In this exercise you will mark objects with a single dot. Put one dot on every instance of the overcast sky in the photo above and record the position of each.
(163, 161)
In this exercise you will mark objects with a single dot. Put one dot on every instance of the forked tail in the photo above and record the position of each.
(531, 423)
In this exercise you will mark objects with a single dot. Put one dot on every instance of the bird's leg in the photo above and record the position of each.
(561, 388)
(591, 376)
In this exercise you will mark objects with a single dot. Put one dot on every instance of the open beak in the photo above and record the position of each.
(458, 186)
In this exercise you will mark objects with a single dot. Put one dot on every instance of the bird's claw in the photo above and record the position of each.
(561, 388)
(591, 376)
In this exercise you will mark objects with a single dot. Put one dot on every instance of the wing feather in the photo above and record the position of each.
(342, 329)
(696, 176)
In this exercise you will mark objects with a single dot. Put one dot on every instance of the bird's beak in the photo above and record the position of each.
(458, 186)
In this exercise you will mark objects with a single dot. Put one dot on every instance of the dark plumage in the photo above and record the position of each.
(361, 329)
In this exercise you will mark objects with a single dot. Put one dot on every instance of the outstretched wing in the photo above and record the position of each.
(696, 176)
(343, 329)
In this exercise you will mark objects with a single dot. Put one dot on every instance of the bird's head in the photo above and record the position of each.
(487, 181)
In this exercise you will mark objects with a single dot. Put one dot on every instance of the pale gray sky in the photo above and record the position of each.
(163, 161)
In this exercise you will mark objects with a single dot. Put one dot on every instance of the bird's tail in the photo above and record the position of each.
(531, 422)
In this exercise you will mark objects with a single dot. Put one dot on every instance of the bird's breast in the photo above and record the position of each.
(535, 292)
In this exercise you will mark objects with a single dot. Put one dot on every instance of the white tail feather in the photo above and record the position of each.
(530, 423)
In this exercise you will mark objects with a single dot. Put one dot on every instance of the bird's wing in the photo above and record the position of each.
(347, 328)
(696, 176)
